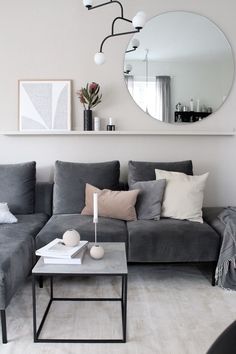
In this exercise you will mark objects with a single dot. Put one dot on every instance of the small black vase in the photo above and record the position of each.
(88, 119)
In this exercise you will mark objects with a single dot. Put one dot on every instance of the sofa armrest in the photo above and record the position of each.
(210, 215)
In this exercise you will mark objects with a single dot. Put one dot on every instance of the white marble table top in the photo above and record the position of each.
(113, 262)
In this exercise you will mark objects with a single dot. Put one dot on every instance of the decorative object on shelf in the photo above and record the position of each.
(88, 119)
(44, 105)
(97, 124)
(96, 251)
(110, 125)
(178, 107)
(71, 238)
(198, 105)
(191, 103)
(138, 23)
(90, 97)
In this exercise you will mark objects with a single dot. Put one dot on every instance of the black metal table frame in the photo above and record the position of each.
(122, 300)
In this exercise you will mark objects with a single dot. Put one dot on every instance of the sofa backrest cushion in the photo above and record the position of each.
(43, 198)
(145, 171)
(70, 180)
(17, 187)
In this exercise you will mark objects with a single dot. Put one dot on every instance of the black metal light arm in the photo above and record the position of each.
(131, 50)
(116, 35)
(118, 18)
(107, 3)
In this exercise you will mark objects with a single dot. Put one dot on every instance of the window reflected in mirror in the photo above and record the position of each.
(183, 69)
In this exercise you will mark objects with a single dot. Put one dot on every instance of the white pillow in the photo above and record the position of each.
(183, 197)
(6, 217)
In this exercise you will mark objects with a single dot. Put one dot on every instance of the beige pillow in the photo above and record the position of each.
(111, 204)
(183, 197)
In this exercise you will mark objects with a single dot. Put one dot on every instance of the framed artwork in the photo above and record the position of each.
(44, 105)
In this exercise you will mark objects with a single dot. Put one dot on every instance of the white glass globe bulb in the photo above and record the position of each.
(88, 3)
(128, 68)
(99, 58)
(139, 20)
(135, 43)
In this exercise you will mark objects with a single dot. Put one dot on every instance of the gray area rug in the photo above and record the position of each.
(172, 309)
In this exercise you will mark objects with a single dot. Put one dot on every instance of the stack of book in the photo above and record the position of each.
(56, 252)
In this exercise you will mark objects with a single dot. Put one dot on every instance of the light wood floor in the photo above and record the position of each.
(172, 309)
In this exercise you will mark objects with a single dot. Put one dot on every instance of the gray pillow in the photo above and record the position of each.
(145, 171)
(17, 187)
(149, 199)
(70, 179)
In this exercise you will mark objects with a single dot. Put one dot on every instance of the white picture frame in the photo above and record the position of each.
(44, 105)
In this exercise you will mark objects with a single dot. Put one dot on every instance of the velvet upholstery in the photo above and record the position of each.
(43, 198)
(17, 187)
(17, 253)
(109, 230)
(70, 179)
(170, 240)
(145, 171)
(210, 215)
(149, 199)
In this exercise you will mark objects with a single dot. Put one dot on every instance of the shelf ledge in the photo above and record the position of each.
(121, 132)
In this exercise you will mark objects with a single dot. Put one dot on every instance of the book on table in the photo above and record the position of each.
(77, 259)
(57, 249)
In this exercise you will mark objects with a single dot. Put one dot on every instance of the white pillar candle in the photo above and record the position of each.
(95, 207)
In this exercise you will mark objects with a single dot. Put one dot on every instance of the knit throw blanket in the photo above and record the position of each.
(226, 267)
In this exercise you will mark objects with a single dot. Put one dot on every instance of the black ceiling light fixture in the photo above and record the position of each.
(138, 22)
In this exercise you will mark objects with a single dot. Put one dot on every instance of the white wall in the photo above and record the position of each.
(57, 39)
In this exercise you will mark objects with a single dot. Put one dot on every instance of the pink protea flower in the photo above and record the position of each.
(93, 86)
(89, 96)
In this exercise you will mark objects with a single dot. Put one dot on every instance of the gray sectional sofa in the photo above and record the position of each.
(45, 211)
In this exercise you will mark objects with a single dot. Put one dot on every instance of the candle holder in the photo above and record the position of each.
(96, 251)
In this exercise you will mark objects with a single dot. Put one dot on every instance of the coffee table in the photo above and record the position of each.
(114, 264)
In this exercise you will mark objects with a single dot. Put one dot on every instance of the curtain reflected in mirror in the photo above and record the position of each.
(182, 70)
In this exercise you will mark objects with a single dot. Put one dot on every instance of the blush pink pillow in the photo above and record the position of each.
(111, 204)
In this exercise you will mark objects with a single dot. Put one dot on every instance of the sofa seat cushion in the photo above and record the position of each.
(16, 253)
(109, 230)
(171, 240)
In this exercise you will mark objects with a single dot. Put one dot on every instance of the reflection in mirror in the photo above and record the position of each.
(182, 69)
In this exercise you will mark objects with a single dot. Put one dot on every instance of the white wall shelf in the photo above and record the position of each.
(122, 132)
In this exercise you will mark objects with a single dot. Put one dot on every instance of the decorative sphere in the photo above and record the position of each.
(99, 58)
(97, 252)
(71, 238)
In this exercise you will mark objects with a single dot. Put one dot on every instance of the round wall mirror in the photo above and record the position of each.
(179, 68)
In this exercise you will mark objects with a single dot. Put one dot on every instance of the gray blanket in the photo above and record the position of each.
(226, 267)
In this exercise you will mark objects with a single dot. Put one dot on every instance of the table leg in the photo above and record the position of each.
(124, 306)
(34, 309)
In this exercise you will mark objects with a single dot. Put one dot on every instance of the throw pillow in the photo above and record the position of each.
(17, 187)
(111, 204)
(149, 199)
(70, 179)
(145, 171)
(183, 197)
(6, 217)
